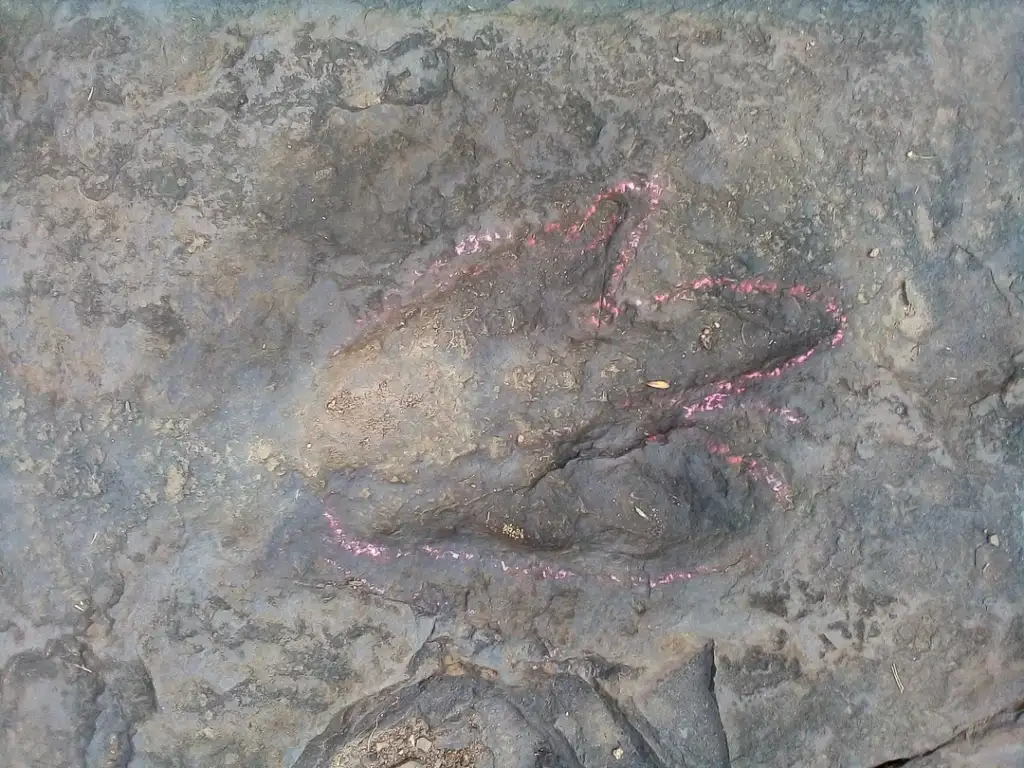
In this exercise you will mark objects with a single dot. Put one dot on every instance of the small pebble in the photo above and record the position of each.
(424, 745)
(617, 753)
(993, 539)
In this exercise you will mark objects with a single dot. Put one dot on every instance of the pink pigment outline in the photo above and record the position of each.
(537, 570)
(477, 242)
(606, 310)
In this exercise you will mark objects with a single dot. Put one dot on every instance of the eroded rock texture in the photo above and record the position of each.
(510, 387)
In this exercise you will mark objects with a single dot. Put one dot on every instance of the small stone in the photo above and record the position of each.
(1013, 393)
(617, 753)
(993, 539)
(424, 745)
(97, 631)
(175, 482)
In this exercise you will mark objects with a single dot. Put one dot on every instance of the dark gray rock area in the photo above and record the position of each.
(511, 385)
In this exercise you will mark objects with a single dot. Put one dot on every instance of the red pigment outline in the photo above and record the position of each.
(606, 309)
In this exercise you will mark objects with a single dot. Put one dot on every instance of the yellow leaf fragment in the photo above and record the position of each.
(658, 384)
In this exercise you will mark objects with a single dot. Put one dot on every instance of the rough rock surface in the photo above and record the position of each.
(511, 385)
